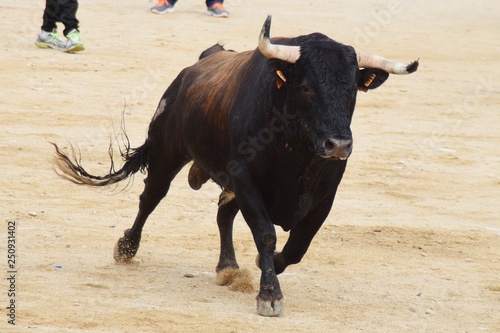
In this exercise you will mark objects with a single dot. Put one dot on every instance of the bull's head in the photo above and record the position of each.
(322, 78)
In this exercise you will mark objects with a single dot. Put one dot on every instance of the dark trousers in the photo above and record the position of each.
(210, 3)
(60, 11)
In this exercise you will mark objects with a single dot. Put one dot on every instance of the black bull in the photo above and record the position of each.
(270, 126)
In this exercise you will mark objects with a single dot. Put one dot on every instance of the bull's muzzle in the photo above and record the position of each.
(337, 148)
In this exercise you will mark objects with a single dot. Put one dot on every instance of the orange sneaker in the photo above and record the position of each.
(162, 7)
(217, 10)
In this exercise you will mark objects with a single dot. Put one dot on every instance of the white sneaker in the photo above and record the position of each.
(51, 40)
(74, 42)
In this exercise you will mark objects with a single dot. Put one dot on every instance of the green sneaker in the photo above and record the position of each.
(74, 42)
(46, 40)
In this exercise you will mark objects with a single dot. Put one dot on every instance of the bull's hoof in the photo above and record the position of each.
(125, 250)
(270, 308)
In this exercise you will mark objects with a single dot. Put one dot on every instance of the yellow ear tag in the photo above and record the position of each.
(279, 83)
(370, 80)
(280, 74)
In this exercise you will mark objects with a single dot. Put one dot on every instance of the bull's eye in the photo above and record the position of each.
(306, 91)
(305, 88)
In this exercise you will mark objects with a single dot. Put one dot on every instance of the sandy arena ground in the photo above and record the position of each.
(411, 245)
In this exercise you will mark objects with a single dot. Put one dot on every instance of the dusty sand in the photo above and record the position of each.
(411, 245)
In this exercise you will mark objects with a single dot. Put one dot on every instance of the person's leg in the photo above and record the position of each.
(216, 8)
(210, 3)
(50, 15)
(67, 15)
(48, 37)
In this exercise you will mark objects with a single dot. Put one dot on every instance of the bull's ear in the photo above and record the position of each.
(371, 78)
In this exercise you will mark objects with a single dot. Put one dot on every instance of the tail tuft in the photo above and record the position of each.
(70, 168)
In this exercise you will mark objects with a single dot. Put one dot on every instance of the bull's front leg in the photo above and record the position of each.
(301, 236)
(270, 298)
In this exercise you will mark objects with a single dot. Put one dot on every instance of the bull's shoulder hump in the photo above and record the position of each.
(224, 58)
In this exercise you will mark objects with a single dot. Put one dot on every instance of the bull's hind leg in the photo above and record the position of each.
(228, 272)
(228, 208)
(161, 172)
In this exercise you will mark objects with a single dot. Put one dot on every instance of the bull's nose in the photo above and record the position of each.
(337, 148)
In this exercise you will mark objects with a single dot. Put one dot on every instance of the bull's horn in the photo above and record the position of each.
(366, 60)
(283, 52)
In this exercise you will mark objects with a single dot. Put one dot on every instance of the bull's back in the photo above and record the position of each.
(205, 98)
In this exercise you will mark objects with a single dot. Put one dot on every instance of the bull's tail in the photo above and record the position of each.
(70, 168)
